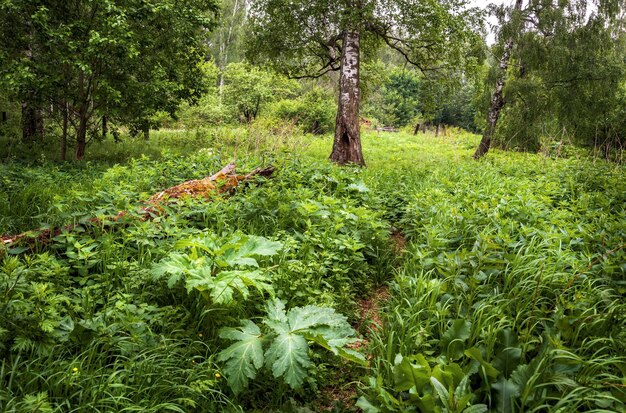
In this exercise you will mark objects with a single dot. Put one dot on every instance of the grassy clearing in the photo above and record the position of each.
(509, 297)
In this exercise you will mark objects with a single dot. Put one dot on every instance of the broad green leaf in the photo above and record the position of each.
(407, 375)
(506, 390)
(276, 317)
(176, 265)
(339, 350)
(260, 246)
(453, 341)
(450, 375)
(243, 358)
(366, 406)
(521, 375)
(443, 394)
(305, 318)
(426, 403)
(200, 279)
(477, 408)
(226, 284)
(241, 249)
(507, 360)
(288, 357)
(475, 354)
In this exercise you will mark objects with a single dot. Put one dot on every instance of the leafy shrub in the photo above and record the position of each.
(314, 111)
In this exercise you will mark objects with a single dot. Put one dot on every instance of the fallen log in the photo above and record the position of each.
(224, 181)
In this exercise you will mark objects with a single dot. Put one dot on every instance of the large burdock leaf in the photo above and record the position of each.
(290, 333)
(227, 283)
(288, 357)
(243, 358)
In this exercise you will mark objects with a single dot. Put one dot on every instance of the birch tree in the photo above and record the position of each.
(310, 38)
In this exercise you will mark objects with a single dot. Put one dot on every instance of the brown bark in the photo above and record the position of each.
(497, 99)
(105, 128)
(417, 128)
(81, 138)
(347, 143)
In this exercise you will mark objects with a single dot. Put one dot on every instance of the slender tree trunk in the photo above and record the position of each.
(146, 132)
(32, 122)
(417, 128)
(84, 86)
(64, 132)
(81, 139)
(497, 99)
(437, 130)
(105, 128)
(4, 118)
(347, 144)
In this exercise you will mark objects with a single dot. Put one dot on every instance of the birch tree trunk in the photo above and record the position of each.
(347, 144)
(497, 99)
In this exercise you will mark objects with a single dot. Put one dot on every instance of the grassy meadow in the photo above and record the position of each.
(494, 285)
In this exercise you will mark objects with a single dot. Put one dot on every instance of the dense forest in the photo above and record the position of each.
(288, 205)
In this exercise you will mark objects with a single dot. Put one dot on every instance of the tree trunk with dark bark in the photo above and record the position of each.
(4, 118)
(497, 99)
(64, 132)
(81, 139)
(32, 123)
(105, 128)
(347, 144)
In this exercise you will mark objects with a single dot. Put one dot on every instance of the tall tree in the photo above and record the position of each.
(225, 42)
(122, 58)
(514, 26)
(561, 72)
(309, 38)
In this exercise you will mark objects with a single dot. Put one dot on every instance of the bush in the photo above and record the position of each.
(314, 111)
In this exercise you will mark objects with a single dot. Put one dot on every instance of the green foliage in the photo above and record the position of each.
(286, 335)
(566, 81)
(124, 59)
(313, 111)
(219, 270)
(506, 263)
(509, 292)
(248, 88)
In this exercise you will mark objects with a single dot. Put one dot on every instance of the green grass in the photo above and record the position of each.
(510, 293)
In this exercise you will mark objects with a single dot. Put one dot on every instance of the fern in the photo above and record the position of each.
(288, 334)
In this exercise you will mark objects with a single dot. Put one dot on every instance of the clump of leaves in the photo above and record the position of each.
(219, 269)
(281, 343)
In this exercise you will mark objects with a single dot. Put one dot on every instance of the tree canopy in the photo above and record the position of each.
(312, 38)
(125, 59)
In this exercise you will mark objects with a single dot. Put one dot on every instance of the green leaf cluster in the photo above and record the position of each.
(218, 270)
(283, 345)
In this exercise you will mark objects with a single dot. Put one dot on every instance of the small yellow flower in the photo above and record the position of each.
(218, 376)
(199, 334)
(75, 370)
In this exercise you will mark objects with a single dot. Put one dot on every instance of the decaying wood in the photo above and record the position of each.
(222, 182)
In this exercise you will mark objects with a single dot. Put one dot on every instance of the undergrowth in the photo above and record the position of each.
(509, 296)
